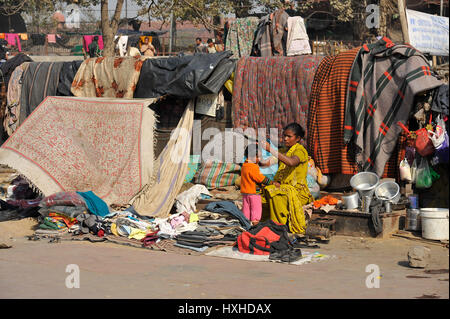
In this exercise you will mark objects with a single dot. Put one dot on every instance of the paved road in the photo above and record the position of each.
(37, 269)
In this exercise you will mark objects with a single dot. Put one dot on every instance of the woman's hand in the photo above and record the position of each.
(277, 185)
(265, 146)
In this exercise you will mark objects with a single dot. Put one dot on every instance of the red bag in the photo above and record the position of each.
(257, 241)
(422, 142)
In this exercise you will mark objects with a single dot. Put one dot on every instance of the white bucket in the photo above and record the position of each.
(434, 223)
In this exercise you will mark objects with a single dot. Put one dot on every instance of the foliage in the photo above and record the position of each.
(201, 11)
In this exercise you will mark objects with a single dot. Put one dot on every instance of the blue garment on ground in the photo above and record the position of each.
(95, 204)
(230, 208)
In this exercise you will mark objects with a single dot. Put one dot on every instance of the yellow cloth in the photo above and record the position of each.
(286, 203)
(2, 35)
(137, 233)
(193, 217)
(23, 36)
(229, 83)
(114, 229)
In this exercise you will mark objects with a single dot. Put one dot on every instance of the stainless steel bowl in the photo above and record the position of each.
(365, 183)
(388, 191)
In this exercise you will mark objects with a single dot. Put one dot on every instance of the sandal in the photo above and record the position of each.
(292, 255)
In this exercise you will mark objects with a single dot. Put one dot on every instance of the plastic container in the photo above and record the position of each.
(413, 220)
(434, 223)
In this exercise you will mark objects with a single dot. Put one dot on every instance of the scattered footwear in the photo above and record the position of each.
(292, 255)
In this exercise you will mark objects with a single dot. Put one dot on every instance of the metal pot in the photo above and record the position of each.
(351, 201)
(365, 183)
(388, 191)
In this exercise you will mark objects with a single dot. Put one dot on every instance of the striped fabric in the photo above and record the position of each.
(326, 115)
(215, 174)
(384, 80)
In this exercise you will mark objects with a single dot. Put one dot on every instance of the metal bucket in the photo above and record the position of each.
(365, 183)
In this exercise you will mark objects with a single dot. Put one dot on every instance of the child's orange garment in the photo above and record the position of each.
(250, 176)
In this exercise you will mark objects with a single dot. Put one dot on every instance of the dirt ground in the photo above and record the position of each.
(37, 269)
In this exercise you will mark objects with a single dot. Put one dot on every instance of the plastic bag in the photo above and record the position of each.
(424, 178)
(438, 137)
(414, 171)
(405, 171)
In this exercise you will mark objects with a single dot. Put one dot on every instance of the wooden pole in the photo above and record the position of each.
(403, 20)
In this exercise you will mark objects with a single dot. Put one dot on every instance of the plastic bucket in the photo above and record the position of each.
(434, 223)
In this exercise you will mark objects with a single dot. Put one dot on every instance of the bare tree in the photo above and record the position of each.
(109, 27)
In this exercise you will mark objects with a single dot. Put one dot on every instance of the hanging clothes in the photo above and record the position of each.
(262, 44)
(13, 40)
(384, 79)
(272, 92)
(241, 35)
(87, 39)
(51, 38)
(122, 44)
(279, 32)
(297, 39)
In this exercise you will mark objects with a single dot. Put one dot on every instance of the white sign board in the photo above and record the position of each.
(428, 33)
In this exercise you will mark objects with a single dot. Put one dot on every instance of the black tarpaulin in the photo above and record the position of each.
(185, 76)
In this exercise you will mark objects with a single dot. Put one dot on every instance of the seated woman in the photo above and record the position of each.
(289, 190)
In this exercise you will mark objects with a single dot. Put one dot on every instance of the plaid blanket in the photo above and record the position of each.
(383, 82)
(326, 115)
(272, 92)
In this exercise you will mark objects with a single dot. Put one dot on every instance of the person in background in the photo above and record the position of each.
(94, 48)
(3, 50)
(147, 48)
(211, 47)
(250, 176)
(132, 51)
(199, 46)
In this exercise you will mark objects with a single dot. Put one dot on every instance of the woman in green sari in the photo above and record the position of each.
(289, 190)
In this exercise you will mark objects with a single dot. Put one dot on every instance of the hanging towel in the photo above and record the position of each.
(298, 40)
(23, 36)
